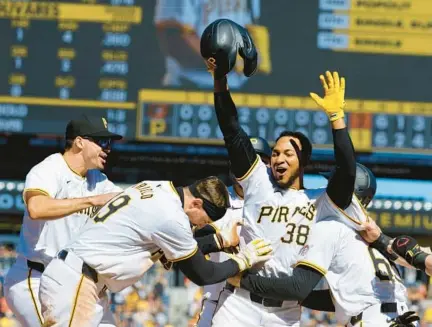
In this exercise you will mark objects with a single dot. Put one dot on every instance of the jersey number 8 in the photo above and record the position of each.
(111, 207)
(300, 236)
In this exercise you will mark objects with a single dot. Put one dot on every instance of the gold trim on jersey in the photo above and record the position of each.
(33, 296)
(39, 190)
(215, 227)
(76, 300)
(72, 170)
(217, 242)
(186, 256)
(251, 169)
(311, 265)
(355, 221)
(174, 189)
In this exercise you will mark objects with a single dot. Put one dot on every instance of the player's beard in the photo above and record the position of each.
(295, 174)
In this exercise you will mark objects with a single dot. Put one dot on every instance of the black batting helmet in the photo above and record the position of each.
(365, 183)
(261, 146)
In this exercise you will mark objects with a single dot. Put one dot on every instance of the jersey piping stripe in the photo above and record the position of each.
(174, 189)
(76, 300)
(33, 296)
(75, 172)
(214, 226)
(186, 256)
(356, 221)
(312, 265)
(250, 169)
(39, 190)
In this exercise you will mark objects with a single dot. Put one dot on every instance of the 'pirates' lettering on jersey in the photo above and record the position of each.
(282, 213)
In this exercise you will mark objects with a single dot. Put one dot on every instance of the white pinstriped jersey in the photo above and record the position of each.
(120, 239)
(40, 240)
(358, 276)
(236, 211)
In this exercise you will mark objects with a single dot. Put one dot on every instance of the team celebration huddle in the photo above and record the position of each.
(262, 249)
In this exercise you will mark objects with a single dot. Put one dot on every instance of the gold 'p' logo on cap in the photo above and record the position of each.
(254, 140)
(104, 122)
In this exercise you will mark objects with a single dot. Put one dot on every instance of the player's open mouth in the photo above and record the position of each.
(281, 171)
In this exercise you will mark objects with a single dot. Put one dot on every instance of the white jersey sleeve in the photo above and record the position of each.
(256, 182)
(175, 239)
(321, 249)
(42, 179)
(182, 12)
(353, 216)
(108, 186)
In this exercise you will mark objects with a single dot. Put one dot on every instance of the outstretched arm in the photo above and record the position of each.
(341, 186)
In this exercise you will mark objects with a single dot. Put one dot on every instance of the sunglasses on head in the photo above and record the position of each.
(104, 143)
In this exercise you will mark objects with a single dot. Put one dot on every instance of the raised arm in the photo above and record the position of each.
(341, 186)
(241, 153)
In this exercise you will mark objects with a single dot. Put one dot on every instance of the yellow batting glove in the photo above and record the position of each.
(333, 102)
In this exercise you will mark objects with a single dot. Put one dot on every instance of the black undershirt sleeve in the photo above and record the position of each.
(207, 244)
(340, 188)
(319, 300)
(205, 272)
(291, 288)
(241, 153)
(204, 231)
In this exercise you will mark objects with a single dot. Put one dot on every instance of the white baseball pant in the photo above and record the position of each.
(22, 295)
(69, 298)
(374, 316)
(235, 308)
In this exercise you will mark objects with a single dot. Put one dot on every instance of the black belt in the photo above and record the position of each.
(86, 269)
(36, 266)
(270, 303)
(385, 308)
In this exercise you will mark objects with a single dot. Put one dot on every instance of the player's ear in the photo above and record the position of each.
(79, 142)
(196, 203)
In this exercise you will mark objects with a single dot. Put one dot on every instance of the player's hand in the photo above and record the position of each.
(405, 320)
(228, 236)
(102, 199)
(254, 252)
(235, 280)
(408, 248)
(333, 102)
(370, 231)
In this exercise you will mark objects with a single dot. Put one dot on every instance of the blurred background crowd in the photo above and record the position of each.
(168, 299)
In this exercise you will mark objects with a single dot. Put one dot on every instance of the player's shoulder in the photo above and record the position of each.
(95, 176)
(314, 193)
(50, 165)
(331, 223)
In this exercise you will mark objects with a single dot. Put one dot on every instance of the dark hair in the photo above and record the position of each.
(68, 144)
(306, 150)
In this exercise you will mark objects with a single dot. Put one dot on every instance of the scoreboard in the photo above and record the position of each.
(112, 58)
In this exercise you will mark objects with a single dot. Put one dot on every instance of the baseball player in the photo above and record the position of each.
(60, 193)
(180, 24)
(124, 238)
(366, 288)
(276, 205)
(212, 292)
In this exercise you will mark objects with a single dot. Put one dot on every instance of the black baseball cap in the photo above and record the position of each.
(92, 127)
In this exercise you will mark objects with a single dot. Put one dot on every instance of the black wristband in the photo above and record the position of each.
(419, 260)
(381, 243)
